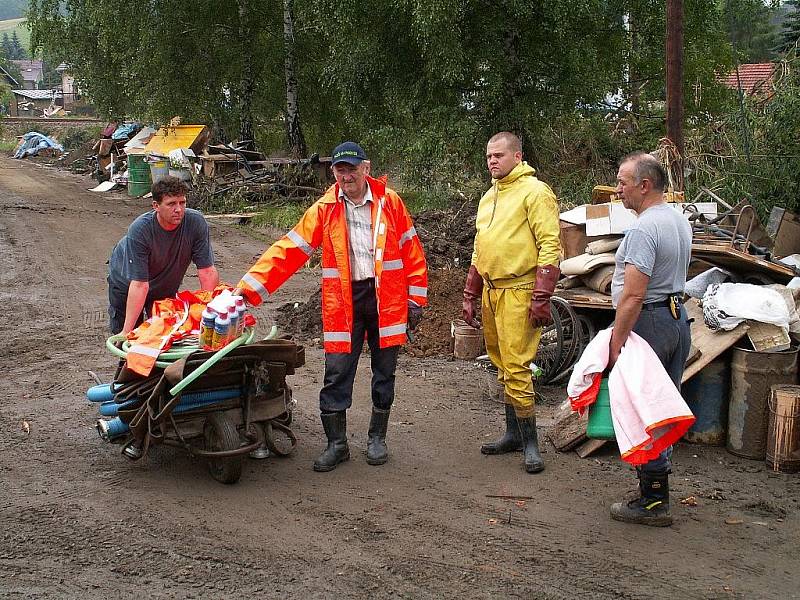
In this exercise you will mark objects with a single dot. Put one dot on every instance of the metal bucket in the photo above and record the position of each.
(707, 395)
(783, 436)
(467, 341)
(752, 374)
(158, 170)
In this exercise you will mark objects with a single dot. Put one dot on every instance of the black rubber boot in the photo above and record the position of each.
(511, 440)
(335, 425)
(652, 506)
(530, 445)
(377, 453)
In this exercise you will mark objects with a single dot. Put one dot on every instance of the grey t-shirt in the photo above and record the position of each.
(658, 245)
(150, 253)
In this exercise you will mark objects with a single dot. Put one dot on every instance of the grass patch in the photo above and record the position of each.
(283, 216)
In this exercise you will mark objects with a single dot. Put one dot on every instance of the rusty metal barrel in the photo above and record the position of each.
(752, 375)
(783, 435)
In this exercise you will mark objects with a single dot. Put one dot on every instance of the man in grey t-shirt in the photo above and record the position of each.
(149, 263)
(646, 290)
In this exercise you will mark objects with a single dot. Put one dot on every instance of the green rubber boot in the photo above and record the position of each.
(530, 445)
(511, 441)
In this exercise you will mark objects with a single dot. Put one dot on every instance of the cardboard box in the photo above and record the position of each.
(608, 218)
(574, 239)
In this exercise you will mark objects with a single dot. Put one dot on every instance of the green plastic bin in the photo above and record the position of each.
(600, 425)
(139, 181)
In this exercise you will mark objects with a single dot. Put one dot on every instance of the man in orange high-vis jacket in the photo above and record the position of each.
(374, 284)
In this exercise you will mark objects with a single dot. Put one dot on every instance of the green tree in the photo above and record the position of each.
(751, 29)
(8, 50)
(17, 51)
(791, 26)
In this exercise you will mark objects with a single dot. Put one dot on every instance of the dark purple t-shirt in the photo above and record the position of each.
(150, 253)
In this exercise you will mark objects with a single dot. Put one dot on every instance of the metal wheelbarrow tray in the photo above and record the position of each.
(232, 410)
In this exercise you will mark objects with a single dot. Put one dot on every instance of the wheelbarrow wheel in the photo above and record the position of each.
(220, 434)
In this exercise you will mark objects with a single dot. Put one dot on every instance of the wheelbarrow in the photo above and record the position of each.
(219, 406)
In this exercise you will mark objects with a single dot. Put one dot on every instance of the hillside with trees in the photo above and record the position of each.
(12, 9)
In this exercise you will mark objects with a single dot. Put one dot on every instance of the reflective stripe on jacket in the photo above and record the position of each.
(517, 229)
(400, 270)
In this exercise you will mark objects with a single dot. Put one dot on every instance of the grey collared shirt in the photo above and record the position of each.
(359, 231)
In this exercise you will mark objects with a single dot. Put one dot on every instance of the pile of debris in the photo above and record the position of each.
(433, 336)
(447, 235)
(34, 143)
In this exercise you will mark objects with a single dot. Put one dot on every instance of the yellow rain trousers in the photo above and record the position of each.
(511, 343)
(517, 230)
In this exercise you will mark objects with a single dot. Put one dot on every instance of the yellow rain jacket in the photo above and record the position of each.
(517, 229)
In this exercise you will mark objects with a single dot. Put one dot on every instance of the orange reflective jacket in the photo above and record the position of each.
(400, 270)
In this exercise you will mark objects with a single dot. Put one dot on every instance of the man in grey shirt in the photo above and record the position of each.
(646, 290)
(149, 263)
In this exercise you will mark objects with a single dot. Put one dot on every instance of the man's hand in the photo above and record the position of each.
(539, 309)
(473, 288)
(414, 315)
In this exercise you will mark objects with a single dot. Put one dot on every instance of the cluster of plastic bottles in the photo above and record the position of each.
(218, 329)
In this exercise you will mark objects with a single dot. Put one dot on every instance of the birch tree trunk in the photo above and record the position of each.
(247, 82)
(294, 132)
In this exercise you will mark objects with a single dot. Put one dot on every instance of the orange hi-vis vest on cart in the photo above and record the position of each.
(400, 270)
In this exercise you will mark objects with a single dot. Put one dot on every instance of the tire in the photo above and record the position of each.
(219, 433)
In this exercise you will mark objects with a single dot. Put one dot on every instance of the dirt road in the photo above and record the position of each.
(78, 520)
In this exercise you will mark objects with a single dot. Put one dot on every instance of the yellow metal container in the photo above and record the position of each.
(180, 136)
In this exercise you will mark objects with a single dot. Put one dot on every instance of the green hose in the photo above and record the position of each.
(171, 356)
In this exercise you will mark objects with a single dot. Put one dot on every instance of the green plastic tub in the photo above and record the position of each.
(600, 426)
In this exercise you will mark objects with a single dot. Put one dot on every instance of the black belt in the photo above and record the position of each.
(673, 303)
(654, 305)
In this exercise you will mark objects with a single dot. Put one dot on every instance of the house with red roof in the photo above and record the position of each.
(755, 79)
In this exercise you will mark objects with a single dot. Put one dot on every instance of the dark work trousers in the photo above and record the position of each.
(340, 367)
(117, 301)
(671, 340)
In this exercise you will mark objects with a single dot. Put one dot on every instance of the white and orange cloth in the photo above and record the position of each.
(173, 319)
(647, 410)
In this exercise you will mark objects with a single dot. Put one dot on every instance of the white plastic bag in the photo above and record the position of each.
(725, 305)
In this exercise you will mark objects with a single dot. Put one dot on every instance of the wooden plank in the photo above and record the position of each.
(709, 343)
(569, 429)
(588, 447)
(240, 218)
(583, 297)
(741, 262)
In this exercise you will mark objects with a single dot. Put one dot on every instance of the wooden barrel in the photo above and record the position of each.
(783, 435)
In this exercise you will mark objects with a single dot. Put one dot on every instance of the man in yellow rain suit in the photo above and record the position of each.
(514, 273)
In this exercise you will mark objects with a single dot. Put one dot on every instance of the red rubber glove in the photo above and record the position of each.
(539, 310)
(473, 288)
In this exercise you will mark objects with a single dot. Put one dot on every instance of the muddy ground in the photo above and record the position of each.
(78, 520)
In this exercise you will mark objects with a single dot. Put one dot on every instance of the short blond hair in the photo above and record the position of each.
(509, 138)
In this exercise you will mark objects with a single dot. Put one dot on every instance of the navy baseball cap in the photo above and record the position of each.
(348, 152)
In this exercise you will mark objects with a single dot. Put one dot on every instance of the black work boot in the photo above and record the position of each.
(335, 425)
(652, 506)
(530, 444)
(377, 453)
(510, 441)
